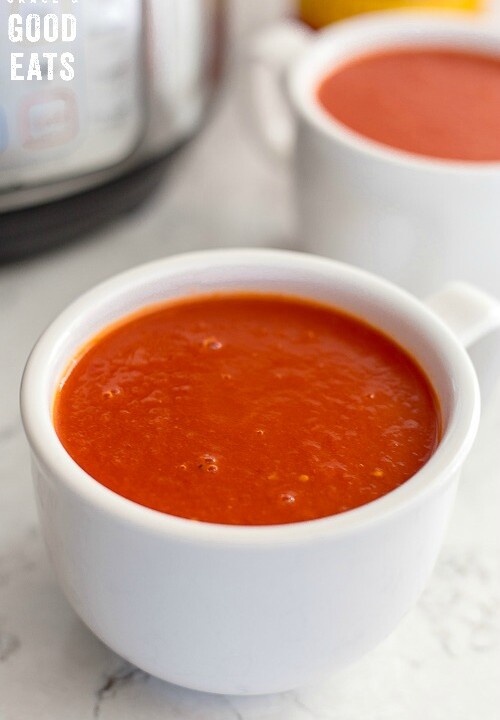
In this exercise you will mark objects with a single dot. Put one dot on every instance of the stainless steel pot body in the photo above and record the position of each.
(144, 73)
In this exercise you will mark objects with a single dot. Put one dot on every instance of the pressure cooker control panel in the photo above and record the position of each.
(71, 100)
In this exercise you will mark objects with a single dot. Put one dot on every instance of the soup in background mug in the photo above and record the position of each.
(251, 609)
(417, 220)
(436, 102)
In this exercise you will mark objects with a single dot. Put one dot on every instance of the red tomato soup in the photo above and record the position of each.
(431, 101)
(247, 409)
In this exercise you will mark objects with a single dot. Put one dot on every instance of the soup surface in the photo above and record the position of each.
(246, 409)
(437, 102)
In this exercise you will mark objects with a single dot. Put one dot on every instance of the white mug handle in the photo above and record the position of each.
(263, 96)
(474, 316)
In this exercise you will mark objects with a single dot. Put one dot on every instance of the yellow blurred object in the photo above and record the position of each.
(319, 13)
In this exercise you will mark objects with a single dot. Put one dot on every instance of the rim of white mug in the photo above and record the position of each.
(37, 392)
(394, 27)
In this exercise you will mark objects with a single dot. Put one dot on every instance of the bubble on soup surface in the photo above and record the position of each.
(211, 343)
(288, 498)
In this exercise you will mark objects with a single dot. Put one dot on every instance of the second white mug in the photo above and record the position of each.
(417, 221)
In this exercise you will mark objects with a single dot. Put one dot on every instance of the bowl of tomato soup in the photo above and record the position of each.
(247, 409)
(396, 150)
(244, 461)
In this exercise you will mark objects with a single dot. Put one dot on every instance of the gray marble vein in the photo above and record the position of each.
(9, 644)
(124, 675)
(7, 432)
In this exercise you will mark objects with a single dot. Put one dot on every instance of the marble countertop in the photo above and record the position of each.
(441, 663)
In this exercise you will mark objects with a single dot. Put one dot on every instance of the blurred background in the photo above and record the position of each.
(75, 156)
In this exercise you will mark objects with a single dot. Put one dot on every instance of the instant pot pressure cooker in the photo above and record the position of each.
(73, 153)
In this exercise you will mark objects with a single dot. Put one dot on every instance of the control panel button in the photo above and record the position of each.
(49, 119)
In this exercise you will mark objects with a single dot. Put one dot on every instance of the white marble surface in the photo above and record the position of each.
(443, 661)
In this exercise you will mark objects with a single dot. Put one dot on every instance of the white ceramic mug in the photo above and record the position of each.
(418, 221)
(232, 609)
